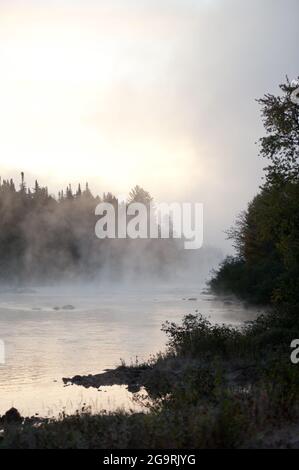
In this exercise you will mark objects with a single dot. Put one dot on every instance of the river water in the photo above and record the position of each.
(44, 342)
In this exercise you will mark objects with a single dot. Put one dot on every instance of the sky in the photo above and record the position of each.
(160, 93)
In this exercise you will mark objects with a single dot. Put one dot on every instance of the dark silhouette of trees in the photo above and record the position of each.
(266, 236)
(44, 238)
(280, 146)
(138, 194)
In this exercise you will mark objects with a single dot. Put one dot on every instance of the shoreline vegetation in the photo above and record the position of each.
(265, 268)
(216, 386)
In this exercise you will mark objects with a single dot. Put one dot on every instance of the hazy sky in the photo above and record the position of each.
(159, 93)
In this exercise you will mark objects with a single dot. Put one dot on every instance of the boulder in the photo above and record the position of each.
(12, 416)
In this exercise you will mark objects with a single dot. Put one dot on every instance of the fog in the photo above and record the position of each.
(160, 94)
(46, 240)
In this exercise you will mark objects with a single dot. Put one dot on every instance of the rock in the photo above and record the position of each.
(77, 378)
(122, 375)
(12, 416)
(65, 307)
(68, 307)
(133, 387)
(192, 299)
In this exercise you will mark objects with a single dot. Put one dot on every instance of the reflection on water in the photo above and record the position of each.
(44, 344)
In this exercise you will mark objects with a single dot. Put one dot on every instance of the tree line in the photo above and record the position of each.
(43, 237)
(265, 268)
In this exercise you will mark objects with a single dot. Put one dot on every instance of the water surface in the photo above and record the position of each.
(44, 344)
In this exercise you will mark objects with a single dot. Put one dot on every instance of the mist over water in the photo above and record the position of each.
(71, 303)
(45, 342)
(74, 304)
(149, 187)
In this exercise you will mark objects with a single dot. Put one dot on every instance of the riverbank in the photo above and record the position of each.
(43, 345)
(215, 387)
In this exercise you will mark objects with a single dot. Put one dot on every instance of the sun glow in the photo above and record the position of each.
(76, 100)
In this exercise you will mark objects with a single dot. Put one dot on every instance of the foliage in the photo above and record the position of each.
(266, 236)
(249, 391)
(196, 336)
(44, 238)
(281, 144)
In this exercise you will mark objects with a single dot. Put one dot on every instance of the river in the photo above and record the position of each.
(44, 342)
